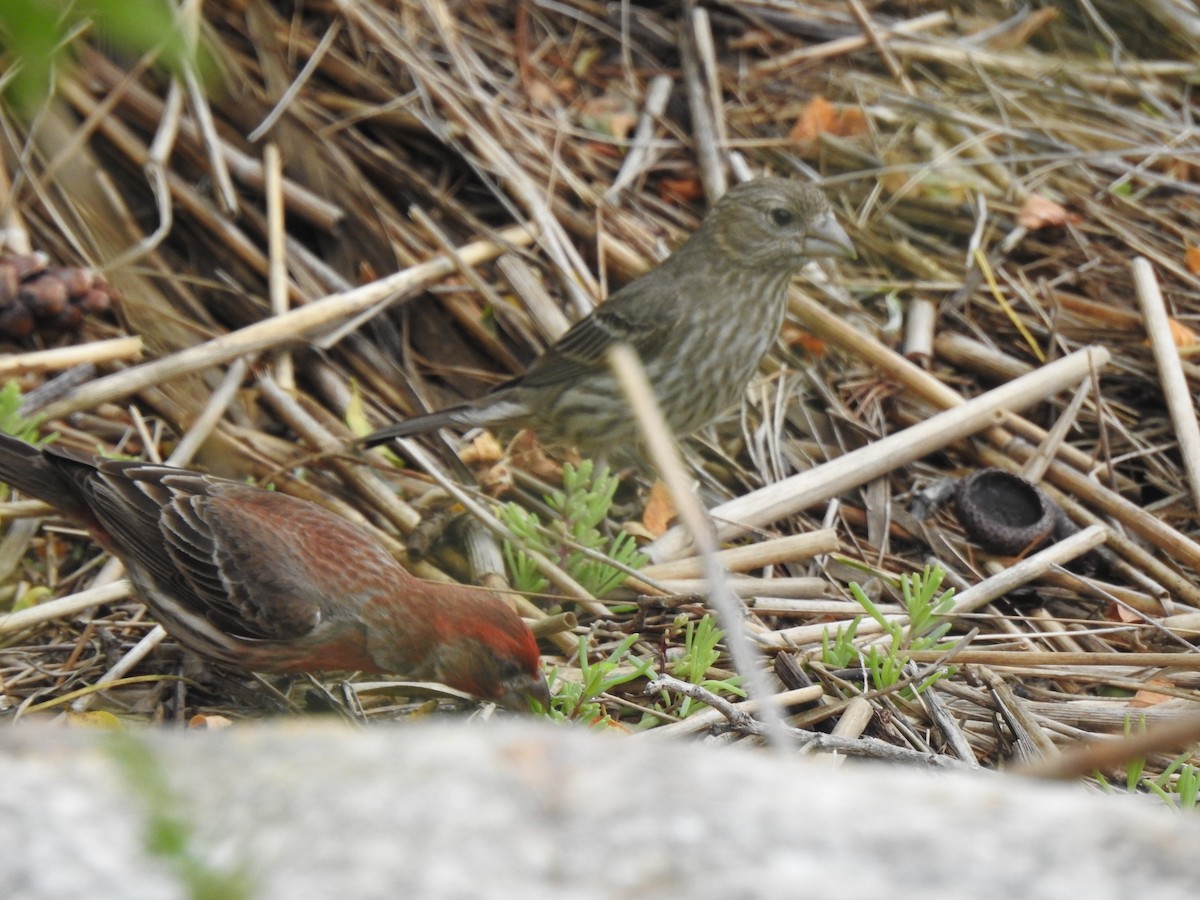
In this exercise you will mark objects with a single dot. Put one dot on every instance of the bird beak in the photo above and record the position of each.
(828, 238)
(520, 692)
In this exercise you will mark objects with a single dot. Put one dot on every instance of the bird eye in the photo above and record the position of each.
(509, 670)
(782, 217)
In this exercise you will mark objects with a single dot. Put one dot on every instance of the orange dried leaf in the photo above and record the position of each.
(820, 117)
(485, 449)
(1181, 334)
(852, 121)
(200, 722)
(680, 190)
(659, 510)
(1121, 613)
(1038, 212)
(817, 118)
(526, 454)
(796, 337)
(1144, 697)
(1191, 259)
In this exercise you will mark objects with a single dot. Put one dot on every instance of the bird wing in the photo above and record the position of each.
(626, 317)
(248, 577)
(126, 500)
(160, 520)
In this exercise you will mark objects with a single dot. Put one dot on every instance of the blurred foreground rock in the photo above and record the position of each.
(522, 810)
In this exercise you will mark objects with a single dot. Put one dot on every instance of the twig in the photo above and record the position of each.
(1170, 372)
(293, 325)
(661, 447)
(801, 491)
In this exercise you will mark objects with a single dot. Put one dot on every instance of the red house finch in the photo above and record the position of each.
(701, 322)
(270, 583)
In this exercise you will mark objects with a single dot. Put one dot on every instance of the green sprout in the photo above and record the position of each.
(700, 654)
(580, 508)
(1178, 785)
(926, 629)
(578, 700)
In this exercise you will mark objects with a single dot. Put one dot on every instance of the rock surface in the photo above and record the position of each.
(524, 810)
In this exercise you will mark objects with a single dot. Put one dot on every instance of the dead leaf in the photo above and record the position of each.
(526, 454)
(821, 117)
(1181, 334)
(541, 93)
(200, 722)
(796, 337)
(496, 480)
(638, 530)
(680, 190)
(1038, 212)
(609, 115)
(1191, 258)
(1144, 697)
(659, 511)
(97, 718)
(484, 450)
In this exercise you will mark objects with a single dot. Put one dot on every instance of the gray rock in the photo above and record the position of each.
(313, 810)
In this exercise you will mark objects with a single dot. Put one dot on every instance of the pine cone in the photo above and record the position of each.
(36, 296)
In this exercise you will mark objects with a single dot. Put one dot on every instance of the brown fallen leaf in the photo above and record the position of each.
(1038, 212)
(1146, 697)
(822, 117)
(659, 511)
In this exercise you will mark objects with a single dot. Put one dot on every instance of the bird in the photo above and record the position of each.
(701, 321)
(266, 582)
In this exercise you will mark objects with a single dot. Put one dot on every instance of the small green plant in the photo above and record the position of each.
(700, 653)
(11, 420)
(1178, 785)
(580, 507)
(36, 35)
(578, 699)
(840, 652)
(925, 630)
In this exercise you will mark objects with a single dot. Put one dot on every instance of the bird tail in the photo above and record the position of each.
(446, 418)
(27, 468)
(491, 410)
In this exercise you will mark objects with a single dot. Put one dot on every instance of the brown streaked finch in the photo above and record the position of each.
(270, 583)
(701, 322)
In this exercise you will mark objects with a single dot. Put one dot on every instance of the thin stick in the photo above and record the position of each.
(753, 556)
(663, 450)
(657, 95)
(1065, 658)
(140, 651)
(64, 606)
(1170, 372)
(277, 279)
(185, 451)
(65, 357)
(1026, 570)
(1108, 753)
(777, 501)
(842, 46)
(296, 324)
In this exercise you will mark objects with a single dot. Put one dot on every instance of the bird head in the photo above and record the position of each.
(493, 668)
(469, 640)
(775, 224)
